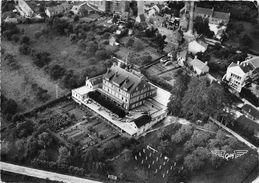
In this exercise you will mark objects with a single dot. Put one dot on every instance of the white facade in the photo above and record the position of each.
(235, 76)
(194, 47)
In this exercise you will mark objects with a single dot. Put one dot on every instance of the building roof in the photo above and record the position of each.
(221, 15)
(246, 67)
(251, 110)
(233, 64)
(248, 123)
(197, 63)
(124, 79)
(254, 62)
(96, 80)
(82, 90)
(182, 53)
(206, 11)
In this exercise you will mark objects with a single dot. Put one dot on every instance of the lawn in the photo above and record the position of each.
(16, 83)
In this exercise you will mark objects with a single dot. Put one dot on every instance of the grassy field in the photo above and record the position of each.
(62, 51)
(16, 83)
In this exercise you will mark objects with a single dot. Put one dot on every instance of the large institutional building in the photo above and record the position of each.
(124, 99)
(126, 88)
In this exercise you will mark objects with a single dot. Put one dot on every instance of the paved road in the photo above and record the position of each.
(43, 174)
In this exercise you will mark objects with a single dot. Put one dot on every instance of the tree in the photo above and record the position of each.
(197, 159)
(101, 55)
(245, 40)
(181, 84)
(45, 139)
(8, 107)
(90, 157)
(15, 38)
(198, 139)
(64, 155)
(56, 72)
(25, 40)
(43, 155)
(42, 58)
(203, 98)
(129, 42)
(201, 25)
(91, 48)
(24, 129)
(138, 45)
(59, 25)
(182, 134)
(24, 49)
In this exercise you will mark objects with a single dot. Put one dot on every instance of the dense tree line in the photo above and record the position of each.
(8, 107)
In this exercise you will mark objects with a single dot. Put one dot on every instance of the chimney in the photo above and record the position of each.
(86, 78)
(238, 63)
(195, 57)
(206, 63)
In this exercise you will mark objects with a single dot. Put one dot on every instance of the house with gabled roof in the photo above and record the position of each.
(196, 46)
(198, 66)
(214, 17)
(237, 74)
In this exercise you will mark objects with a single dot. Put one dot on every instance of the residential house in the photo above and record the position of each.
(113, 41)
(249, 125)
(214, 17)
(125, 88)
(196, 46)
(94, 83)
(23, 8)
(198, 66)
(237, 74)
(111, 6)
(250, 112)
(55, 10)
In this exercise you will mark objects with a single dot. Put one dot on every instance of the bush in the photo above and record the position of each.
(25, 40)
(91, 48)
(129, 43)
(101, 55)
(41, 59)
(138, 45)
(106, 35)
(15, 38)
(37, 34)
(245, 40)
(56, 72)
(24, 49)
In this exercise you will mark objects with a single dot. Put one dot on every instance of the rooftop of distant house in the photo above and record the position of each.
(251, 110)
(96, 80)
(197, 63)
(245, 66)
(211, 12)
